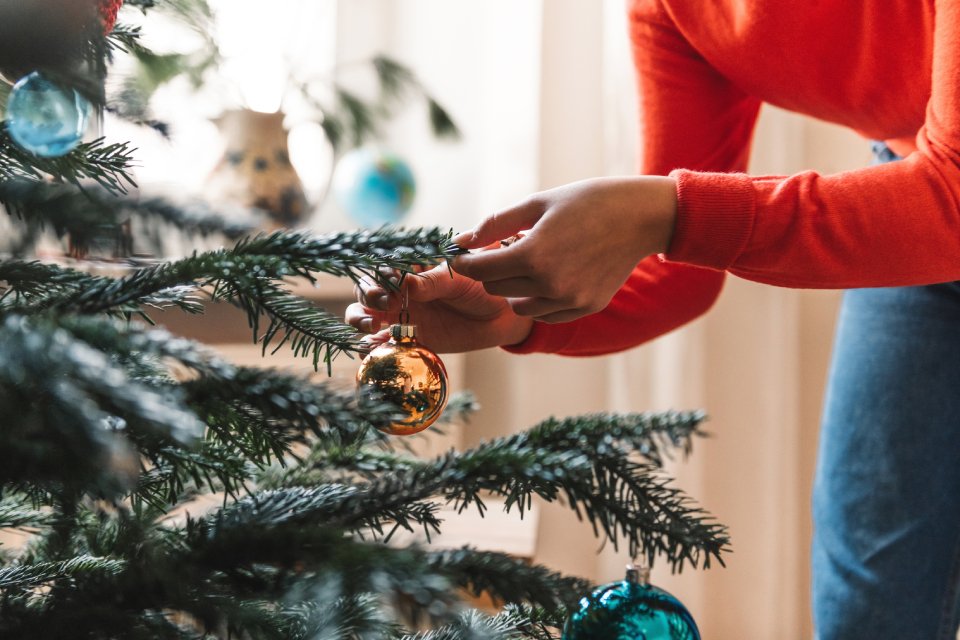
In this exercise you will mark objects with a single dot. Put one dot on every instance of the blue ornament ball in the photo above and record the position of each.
(629, 610)
(374, 187)
(43, 118)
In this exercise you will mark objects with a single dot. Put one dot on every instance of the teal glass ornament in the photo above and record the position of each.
(374, 187)
(45, 119)
(630, 610)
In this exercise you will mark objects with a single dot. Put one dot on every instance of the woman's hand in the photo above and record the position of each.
(452, 313)
(580, 243)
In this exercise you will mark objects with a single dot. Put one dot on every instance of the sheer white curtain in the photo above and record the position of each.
(543, 91)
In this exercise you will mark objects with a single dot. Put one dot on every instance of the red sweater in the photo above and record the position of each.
(889, 69)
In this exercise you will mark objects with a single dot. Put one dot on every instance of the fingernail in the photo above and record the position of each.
(366, 324)
(381, 302)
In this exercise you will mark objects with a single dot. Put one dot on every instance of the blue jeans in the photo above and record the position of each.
(886, 503)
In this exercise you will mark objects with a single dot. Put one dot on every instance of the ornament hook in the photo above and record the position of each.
(405, 306)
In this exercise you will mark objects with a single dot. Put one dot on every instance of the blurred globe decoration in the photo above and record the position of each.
(375, 187)
(630, 609)
(45, 119)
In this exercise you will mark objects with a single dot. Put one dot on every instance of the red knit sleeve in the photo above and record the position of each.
(691, 117)
(890, 225)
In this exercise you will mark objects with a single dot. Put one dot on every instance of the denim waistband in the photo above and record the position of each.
(882, 153)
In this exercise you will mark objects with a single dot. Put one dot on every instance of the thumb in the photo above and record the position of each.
(433, 284)
(502, 224)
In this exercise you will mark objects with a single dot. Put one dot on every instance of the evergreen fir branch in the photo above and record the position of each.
(337, 505)
(310, 331)
(507, 579)
(360, 616)
(276, 256)
(239, 550)
(262, 412)
(246, 273)
(279, 402)
(34, 286)
(459, 408)
(175, 473)
(125, 38)
(538, 623)
(68, 407)
(34, 575)
(586, 461)
(106, 164)
(18, 512)
(354, 254)
(91, 212)
(26, 282)
(474, 625)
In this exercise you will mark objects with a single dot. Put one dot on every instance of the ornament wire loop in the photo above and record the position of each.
(405, 307)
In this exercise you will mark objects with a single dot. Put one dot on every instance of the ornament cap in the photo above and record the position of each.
(403, 331)
(638, 574)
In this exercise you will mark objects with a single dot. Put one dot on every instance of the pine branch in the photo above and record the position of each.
(310, 331)
(586, 461)
(261, 412)
(89, 213)
(241, 550)
(280, 401)
(69, 409)
(35, 286)
(253, 416)
(538, 623)
(332, 505)
(17, 512)
(108, 165)
(361, 616)
(507, 579)
(474, 625)
(246, 275)
(354, 254)
(34, 575)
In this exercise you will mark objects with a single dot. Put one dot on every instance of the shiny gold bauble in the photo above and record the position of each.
(408, 375)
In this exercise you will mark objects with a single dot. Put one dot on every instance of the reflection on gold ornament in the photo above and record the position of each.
(406, 374)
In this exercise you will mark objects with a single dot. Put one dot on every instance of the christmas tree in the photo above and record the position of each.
(111, 427)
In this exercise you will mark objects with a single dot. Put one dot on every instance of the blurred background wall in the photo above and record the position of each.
(543, 92)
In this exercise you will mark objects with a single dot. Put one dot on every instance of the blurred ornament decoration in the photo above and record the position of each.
(375, 187)
(631, 609)
(108, 13)
(405, 374)
(255, 168)
(45, 119)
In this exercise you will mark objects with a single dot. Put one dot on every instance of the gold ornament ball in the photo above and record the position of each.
(404, 373)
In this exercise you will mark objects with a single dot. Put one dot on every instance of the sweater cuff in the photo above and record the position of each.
(715, 215)
(544, 338)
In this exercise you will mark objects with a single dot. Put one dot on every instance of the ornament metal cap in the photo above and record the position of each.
(638, 575)
(401, 331)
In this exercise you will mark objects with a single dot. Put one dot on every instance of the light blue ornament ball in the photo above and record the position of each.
(374, 187)
(43, 118)
(629, 610)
